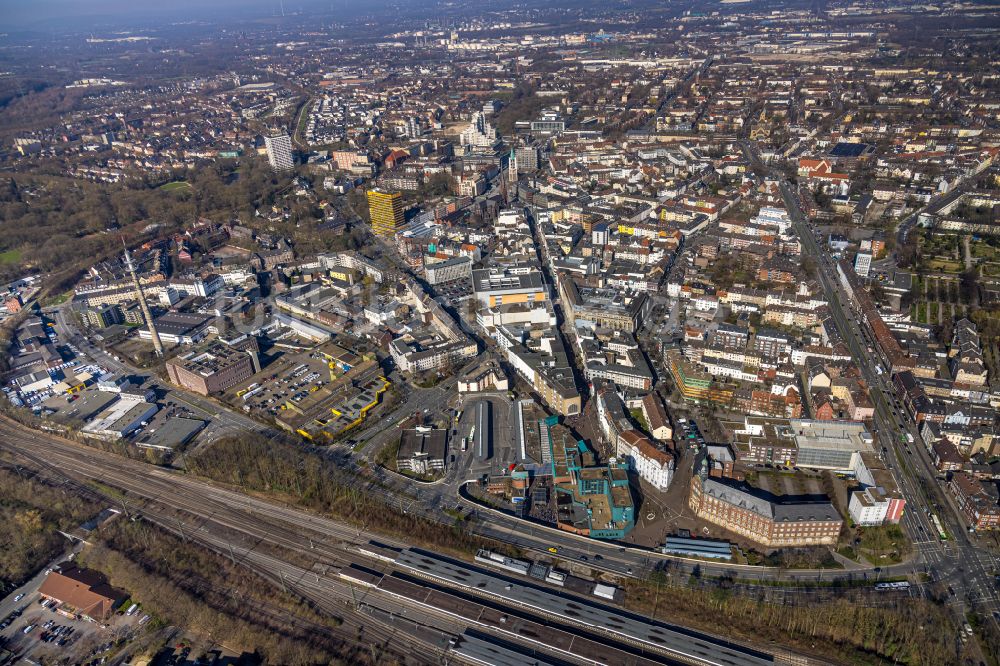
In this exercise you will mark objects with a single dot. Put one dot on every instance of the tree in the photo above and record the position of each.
(29, 521)
(908, 253)
(877, 291)
(436, 185)
(969, 282)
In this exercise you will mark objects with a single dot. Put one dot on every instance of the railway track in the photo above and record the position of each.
(255, 520)
(325, 594)
(234, 525)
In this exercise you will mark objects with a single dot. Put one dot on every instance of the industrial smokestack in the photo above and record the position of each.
(157, 345)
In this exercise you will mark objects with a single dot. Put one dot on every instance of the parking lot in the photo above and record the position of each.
(290, 375)
(35, 628)
(43, 634)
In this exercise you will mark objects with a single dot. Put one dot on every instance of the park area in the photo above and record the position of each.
(940, 252)
(175, 185)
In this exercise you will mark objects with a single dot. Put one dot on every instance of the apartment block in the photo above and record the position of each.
(279, 152)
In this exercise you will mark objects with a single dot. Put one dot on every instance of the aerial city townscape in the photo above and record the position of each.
(496, 333)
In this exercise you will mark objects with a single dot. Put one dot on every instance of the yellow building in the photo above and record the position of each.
(386, 211)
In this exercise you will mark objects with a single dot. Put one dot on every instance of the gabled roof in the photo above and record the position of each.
(85, 590)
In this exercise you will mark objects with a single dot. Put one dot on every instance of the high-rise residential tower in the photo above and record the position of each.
(279, 152)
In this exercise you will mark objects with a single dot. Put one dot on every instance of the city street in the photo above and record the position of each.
(961, 562)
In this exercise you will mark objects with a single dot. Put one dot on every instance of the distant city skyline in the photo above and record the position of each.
(49, 14)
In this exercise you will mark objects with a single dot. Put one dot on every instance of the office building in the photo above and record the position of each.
(386, 212)
(411, 355)
(834, 445)
(657, 421)
(506, 285)
(176, 328)
(549, 123)
(654, 464)
(862, 264)
(123, 417)
(878, 501)
(526, 158)
(590, 308)
(480, 133)
(753, 514)
(81, 591)
(539, 357)
(103, 316)
(449, 270)
(591, 499)
(977, 500)
(872, 506)
(214, 369)
(279, 152)
(13, 303)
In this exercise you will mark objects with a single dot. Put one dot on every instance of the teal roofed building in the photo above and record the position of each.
(591, 499)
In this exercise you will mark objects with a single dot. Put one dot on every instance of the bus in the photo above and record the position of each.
(901, 585)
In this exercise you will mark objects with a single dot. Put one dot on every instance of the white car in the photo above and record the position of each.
(19, 597)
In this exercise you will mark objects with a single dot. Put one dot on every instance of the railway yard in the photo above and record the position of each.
(427, 607)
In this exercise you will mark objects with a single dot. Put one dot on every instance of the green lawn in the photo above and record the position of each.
(10, 257)
(884, 544)
(981, 250)
(175, 185)
(943, 266)
(57, 300)
(639, 418)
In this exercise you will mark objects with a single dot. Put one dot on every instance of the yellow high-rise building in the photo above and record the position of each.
(386, 211)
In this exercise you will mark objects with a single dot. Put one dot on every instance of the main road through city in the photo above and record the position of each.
(968, 568)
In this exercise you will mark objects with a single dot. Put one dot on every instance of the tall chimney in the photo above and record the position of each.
(157, 345)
